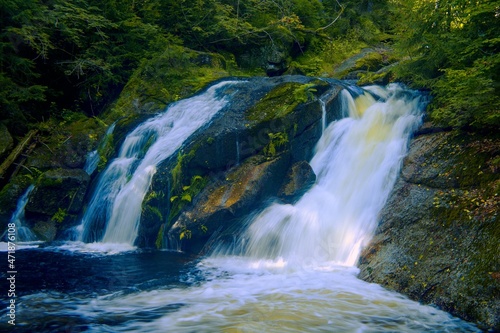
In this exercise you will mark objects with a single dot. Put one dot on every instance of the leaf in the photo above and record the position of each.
(186, 197)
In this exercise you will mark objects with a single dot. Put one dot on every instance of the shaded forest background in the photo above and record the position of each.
(62, 57)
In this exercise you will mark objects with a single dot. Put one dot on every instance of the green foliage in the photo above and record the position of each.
(452, 48)
(105, 150)
(466, 97)
(185, 233)
(159, 237)
(276, 140)
(281, 101)
(185, 195)
(182, 160)
(59, 216)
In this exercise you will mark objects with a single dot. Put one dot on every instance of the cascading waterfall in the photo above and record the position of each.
(293, 271)
(23, 233)
(357, 161)
(93, 157)
(323, 115)
(118, 198)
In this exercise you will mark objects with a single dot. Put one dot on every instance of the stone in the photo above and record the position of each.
(59, 189)
(299, 179)
(438, 235)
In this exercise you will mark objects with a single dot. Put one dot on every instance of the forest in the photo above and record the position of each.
(255, 112)
(60, 56)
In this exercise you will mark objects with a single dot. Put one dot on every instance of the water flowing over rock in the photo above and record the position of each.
(255, 140)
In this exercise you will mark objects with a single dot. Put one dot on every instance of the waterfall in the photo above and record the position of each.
(93, 157)
(117, 201)
(323, 115)
(23, 233)
(357, 161)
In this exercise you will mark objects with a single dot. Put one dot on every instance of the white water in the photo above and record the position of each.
(93, 157)
(357, 161)
(122, 186)
(323, 115)
(242, 295)
(23, 232)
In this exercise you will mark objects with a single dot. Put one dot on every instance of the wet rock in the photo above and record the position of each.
(298, 180)
(60, 189)
(438, 235)
(45, 230)
(223, 203)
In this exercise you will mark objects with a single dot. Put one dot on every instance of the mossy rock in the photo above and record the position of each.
(58, 189)
(176, 73)
(66, 142)
(283, 99)
(370, 65)
(9, 196)
(438, 236)
(223, 203)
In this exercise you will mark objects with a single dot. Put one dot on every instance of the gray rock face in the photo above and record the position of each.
(438, 237)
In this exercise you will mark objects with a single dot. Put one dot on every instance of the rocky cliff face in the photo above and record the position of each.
(438, 240)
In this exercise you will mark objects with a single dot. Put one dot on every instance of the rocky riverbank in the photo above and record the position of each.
(438, 238)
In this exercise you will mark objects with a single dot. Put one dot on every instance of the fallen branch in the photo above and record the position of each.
(16, 152)
(335, 20)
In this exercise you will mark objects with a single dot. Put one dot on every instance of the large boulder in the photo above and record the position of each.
(58, 197)
(243, 157)
(225, 202)
(439, 235)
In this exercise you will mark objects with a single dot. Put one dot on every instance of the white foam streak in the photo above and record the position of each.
(97, 248)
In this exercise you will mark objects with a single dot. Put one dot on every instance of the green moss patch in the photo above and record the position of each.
(282, 100)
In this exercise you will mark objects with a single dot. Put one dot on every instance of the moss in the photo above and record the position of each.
(282, 100)
(59, 216)
(45, 181)
(186, 195)
(105, 151)
(182, 160)
(381, 78)
(159, 237)
(176, 73)
(276, 140)
(11, 192)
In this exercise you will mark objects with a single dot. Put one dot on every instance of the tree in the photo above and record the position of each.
(452, 47)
